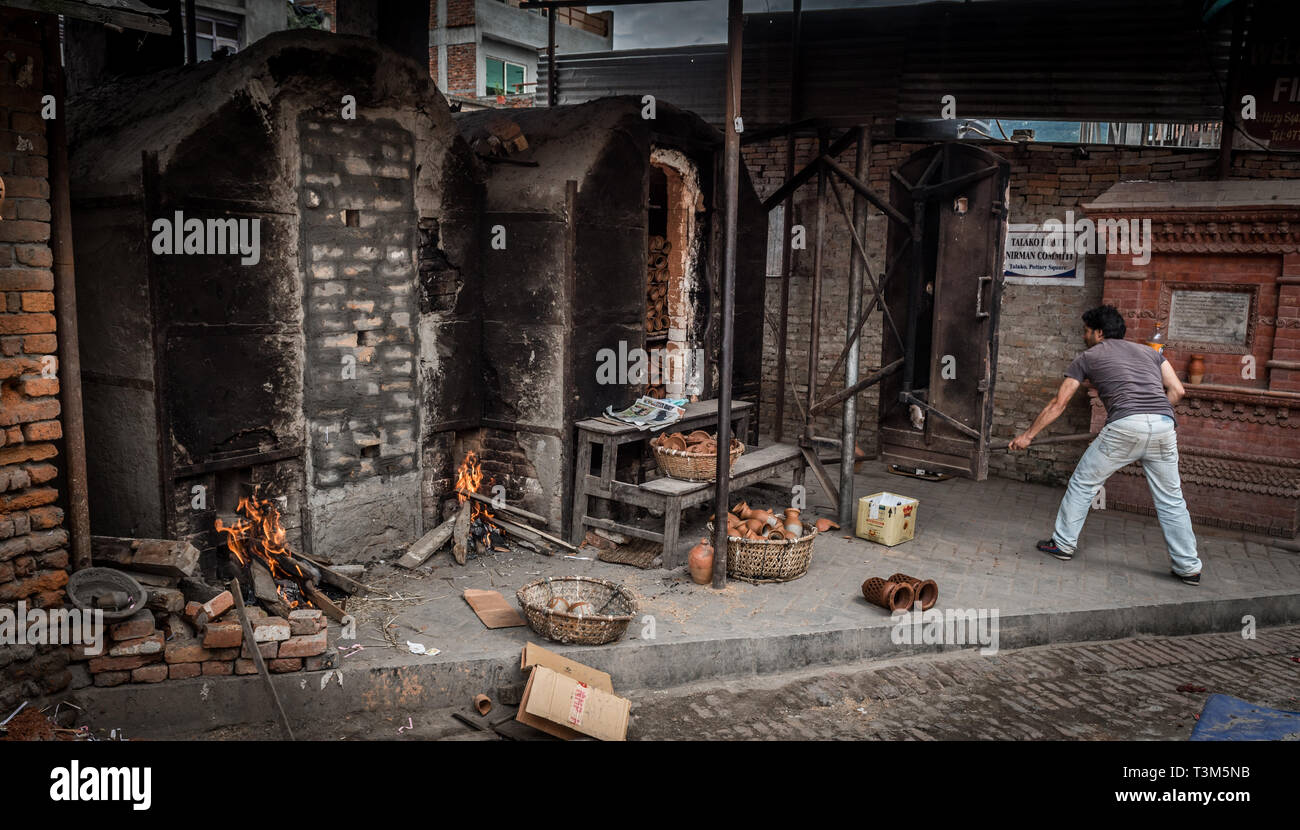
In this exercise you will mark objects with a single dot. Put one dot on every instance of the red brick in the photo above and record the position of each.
(156, 673)
(186, 651)
(102, 664)
(38, 301)
(28, 498)
(40, 344)
(112, 678)
(39, 388)
(304, 621)
(269, 629)
(269, 650)
(20, 588)
(213, 668)
(283, 666)
(25, 323)
(218, 605)
(25, 279)
(223, 635)
(44, 518)
(308, 645)
(140, 625)
(245, 667)
(181, 671)
(54, 559)
(16, 410)
(24, 231)
(152, 644)
(37, 256)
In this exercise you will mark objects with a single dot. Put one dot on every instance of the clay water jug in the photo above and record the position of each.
(700, 563)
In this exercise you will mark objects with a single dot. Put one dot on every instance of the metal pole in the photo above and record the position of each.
(815, 316)
(1230, 98)
(552, 91)
(65, 300)
(787, 253)
(857, 261)
(191, 33)
(731, 175)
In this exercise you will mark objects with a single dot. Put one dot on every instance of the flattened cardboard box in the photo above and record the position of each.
(587, 709)
(534, 655)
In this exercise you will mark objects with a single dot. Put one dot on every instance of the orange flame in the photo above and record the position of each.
(469, 475)
(258, 535)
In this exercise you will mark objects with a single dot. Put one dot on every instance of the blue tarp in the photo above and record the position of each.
(1227, 718)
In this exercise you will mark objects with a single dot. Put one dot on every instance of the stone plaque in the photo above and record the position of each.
(1221, 317)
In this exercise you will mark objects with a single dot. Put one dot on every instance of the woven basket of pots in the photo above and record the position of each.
(691, 458)
(581, 610)
(768, 560)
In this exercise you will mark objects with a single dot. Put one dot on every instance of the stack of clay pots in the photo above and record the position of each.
(691, 456)
(744, 522)
(656, 313)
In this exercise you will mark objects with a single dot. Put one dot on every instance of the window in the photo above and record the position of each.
(215, 34)
(504, 77)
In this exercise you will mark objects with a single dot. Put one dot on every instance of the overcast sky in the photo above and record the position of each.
(701, 21)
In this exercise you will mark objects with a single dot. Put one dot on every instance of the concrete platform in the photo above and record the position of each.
(975, 539)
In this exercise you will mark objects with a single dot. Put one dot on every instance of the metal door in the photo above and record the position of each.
(946, 284)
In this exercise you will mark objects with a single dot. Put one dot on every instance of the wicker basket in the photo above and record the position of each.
(692, 466)
(768, 560)
(612, 608)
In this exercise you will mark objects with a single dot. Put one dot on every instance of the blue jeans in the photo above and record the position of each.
(1152, 440)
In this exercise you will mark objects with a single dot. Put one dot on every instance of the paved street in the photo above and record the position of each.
(1121, 690)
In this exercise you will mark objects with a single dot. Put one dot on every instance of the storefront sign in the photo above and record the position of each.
(1029, 261)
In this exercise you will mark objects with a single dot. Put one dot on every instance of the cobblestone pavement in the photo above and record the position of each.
(1119, 690)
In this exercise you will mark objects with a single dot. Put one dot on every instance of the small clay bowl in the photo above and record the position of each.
(673, 442)
(698, 436)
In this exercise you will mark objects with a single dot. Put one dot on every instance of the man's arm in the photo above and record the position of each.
(1050, 413)
(1173, 386)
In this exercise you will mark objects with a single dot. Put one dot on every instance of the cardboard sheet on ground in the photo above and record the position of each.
(587, 709)
(534, 655)
(492, 609)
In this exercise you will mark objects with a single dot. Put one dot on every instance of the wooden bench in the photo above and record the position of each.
(674, 495)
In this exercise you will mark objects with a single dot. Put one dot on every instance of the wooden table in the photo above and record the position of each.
(667, 494)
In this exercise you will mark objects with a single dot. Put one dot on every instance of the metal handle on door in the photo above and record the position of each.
(979, 298)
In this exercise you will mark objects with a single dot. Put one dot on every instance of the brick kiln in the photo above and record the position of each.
(276, 256)
(1223, 281)
(602, 235)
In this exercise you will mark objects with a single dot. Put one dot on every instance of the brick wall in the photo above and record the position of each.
(331, 8)
(1040, 324)
(462, 69)
(33, 543)
(459, 12)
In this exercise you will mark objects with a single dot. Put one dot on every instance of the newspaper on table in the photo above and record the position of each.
(649, 413)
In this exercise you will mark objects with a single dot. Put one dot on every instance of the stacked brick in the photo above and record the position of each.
(33, 543)
(207, 640)
(1040, 324)
(361, 304)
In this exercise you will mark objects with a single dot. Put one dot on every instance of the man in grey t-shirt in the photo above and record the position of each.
(1139, 388)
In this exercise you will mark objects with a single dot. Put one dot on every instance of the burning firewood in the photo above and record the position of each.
(476, 527)
(257, 544)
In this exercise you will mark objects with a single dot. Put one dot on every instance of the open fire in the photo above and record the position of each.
(256, 540)
(484, 532)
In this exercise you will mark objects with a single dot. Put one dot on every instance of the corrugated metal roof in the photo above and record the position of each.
(1105, 60)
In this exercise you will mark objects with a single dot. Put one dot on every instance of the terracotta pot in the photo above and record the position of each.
(697, 436)
(700, 563)
(824, 525)
(740, 509)
(708, 446)
(766, 516)
(1196, 368)
(792, 522)
(756, 525)
(892, 596)
(777, 534)
(673, 442)
(924, 591)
